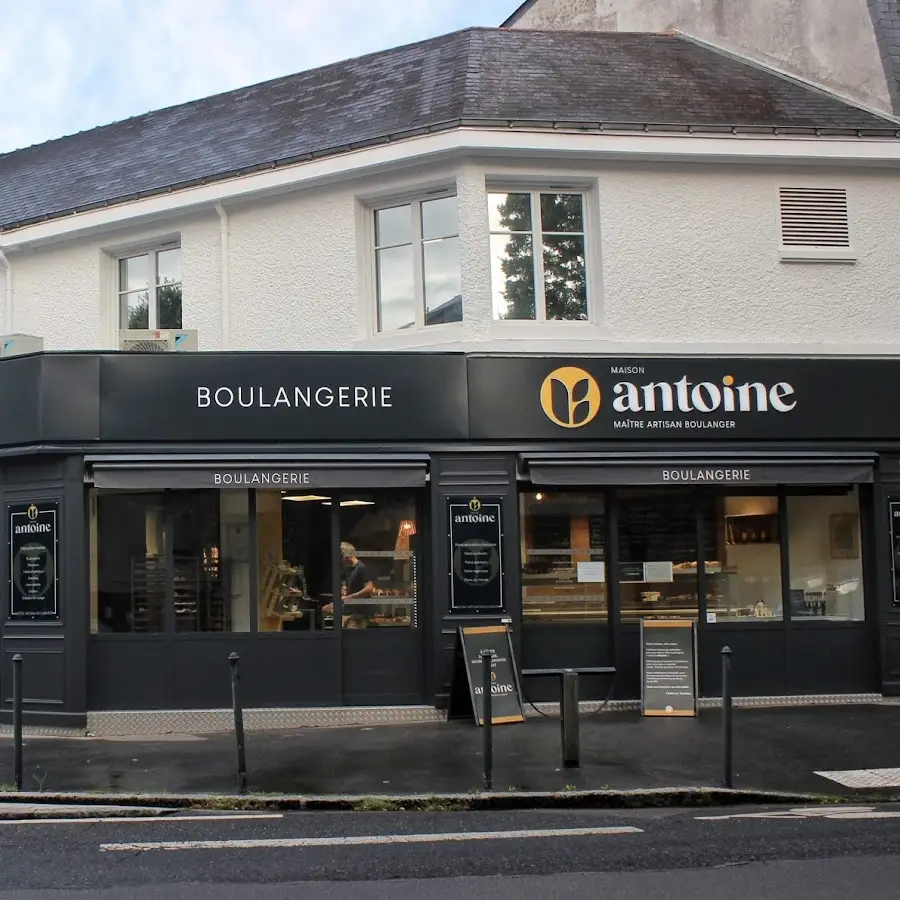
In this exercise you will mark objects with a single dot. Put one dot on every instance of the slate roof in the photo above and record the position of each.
(886, 21)
(475, 77)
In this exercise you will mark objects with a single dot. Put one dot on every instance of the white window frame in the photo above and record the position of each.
(537, 252)
(152, 253)
(415, 204)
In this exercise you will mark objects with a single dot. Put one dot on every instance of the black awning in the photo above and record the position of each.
(229, 472)
(722, 469)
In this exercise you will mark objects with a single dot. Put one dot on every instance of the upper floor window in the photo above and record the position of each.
(150, 290)
(417, 264)
(549, 284)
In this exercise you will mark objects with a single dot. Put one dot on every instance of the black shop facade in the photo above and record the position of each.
(335, 518)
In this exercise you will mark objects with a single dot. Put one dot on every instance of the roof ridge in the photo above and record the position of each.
(776, 71)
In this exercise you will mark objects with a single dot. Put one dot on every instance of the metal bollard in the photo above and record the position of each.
(235, 662)
(726, 715)
(17, 719)
(569, 722)
(487, 659)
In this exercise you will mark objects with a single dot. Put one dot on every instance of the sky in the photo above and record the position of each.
(69, 65)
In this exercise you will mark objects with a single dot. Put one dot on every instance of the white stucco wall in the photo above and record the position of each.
(683, 259)
(831, 42)
(66, 293)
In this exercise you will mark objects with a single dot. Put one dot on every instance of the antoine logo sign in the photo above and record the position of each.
(570, 397)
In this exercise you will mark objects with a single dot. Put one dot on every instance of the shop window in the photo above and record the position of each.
(825, 559)
(210, 557)
(149, 290)
(563, 558)
(180, 555)
(538, 268)
(417, 264)
(658, 554)
(295, 568)
(743, 573)
(379, 575)
(128, 571)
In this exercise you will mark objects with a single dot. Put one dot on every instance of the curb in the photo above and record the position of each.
(683, 797)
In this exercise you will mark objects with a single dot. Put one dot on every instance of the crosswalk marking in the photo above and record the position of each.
(363, 840)
(865, 778)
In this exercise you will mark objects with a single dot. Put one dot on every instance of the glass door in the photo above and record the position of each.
(380, 612)
(565, 609)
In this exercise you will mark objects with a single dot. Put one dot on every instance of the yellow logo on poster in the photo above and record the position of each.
(32, 513)
(475, 504)
(580, 402)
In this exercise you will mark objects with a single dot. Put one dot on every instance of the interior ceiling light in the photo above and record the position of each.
(303, 498)
(357, 502)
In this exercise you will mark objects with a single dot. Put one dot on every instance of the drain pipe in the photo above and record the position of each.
(223, 272)
(8, 313)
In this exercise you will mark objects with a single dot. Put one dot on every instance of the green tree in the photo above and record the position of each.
(562, 232)
(168, 300)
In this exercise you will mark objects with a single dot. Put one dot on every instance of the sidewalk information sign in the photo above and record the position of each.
(668, 667)
(466, 696)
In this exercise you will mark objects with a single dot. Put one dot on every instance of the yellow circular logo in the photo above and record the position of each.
(474, 504)
(32, 512)
(570, 397)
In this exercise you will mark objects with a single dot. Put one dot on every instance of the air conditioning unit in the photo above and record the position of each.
(163, 340)
(17, 344)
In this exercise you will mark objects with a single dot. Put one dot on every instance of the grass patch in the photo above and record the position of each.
(377, 804)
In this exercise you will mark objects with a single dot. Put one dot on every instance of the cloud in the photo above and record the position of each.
(67, 66)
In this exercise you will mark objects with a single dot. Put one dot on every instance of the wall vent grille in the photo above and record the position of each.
(814, 217)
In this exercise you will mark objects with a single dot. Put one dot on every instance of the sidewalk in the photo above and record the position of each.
(775, 750)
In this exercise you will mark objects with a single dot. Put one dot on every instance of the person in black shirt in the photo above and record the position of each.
(359, 582)
(357, 586)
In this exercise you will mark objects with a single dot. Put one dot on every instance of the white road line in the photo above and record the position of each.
(814, 812)
(116, 820)
(361, 840)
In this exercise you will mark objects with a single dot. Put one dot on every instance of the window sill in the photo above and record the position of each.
(511, 330)
(817, 254)
(414, 337)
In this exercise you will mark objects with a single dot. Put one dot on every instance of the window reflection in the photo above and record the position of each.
(563, 557)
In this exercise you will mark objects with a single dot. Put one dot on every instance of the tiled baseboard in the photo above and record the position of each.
(209, 721)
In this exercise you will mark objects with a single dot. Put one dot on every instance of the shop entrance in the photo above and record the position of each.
(381, 620)
(565, 602)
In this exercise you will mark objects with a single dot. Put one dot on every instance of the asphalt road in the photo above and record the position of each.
(830, 852)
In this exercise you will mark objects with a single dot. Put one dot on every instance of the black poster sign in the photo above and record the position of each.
(366, 397)
(895, 549)
(476, 553)
(467, 696)
(682, 399)
(668, 667)
(33, 546)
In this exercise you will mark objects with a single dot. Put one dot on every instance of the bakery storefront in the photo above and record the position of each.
(317, 514)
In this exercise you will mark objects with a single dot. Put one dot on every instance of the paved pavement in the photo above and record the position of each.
(822, 852)
(775, 749)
